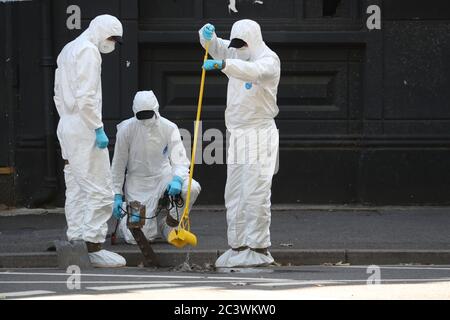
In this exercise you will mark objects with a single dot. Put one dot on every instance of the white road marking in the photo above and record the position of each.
(313, 282)
(142, 276)
(296, 283)
(254, 282)
(24, 293)
(130, 282)
(397, 267)
(130, 287)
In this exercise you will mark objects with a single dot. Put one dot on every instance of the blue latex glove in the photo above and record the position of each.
(208, 31)
(213, 65)
(174, 187)
(101, 140)
(117, 205)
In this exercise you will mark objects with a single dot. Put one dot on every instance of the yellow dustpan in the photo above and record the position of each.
(182, 235)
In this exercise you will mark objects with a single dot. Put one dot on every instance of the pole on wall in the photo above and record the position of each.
(8, 173)
(47, 191)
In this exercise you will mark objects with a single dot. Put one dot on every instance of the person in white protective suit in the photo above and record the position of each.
(253, 71)
(87, 173)
(150, 159)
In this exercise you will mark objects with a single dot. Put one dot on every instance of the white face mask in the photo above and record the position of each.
(243, 53)
(149, 122)
(107, 46)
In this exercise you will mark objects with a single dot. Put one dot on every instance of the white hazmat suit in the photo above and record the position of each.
(147, 155)
(78, 99)
(254, 75)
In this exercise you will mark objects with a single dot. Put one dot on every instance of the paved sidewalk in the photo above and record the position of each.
(300, 235)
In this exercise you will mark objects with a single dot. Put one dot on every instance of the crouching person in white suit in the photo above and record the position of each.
(150, 159)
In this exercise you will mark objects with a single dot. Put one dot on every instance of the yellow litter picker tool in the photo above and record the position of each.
(182, 235)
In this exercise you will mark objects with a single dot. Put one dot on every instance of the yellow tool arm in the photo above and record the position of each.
(185, 216)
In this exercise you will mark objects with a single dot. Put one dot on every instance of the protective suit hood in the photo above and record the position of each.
(146, 100)
(250, 32)
(102, 27)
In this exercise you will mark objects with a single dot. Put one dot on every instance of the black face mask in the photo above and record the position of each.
(237, 43)
(144, 115)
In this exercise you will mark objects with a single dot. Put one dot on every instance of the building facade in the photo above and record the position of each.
(364, 103)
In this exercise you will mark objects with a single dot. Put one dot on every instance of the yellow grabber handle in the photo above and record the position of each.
(185, 215)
